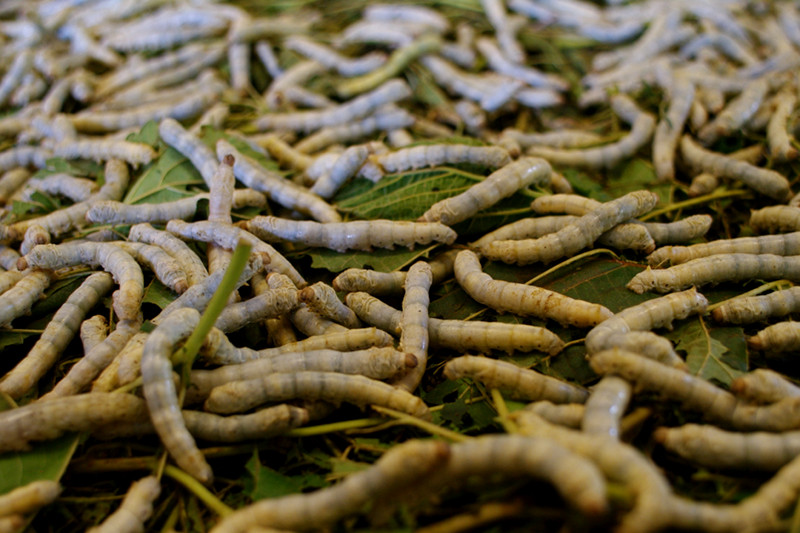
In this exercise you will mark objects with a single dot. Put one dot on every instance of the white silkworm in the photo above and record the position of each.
(19, 299)
(496, 14)
(575, 236)
(136, 508)
(346, 66)
(492, 92)
(29, 497)
(167, 270)
(763, 386)
(521, 383)
(565, 138)
(104, 149)
(152, 39)
(310, 323)
(220, 199)
(92, 332)
(268, 58)
(605, 406)
(358, 107)
(716, 269)
(668, 130)
(524, 299)
(23, 156)
(401, 466)
(374, 282)
(569, 415)
(736, 113)
(780, 145)
(356, 235)
(321, 298)
(16, 71)
(414, 337)
(345, 167)
(201, 156)
(56, 336)
(442, 154)
(503, 64)
(11, 181)
(642, 126)
(785, 244)
(500, 184)
(780, 337)
(269, 304)
(127, 300)
(764, 181)
(418, 15)
(385, 119)
(161, 396)
(331, 387)
(189, 262)
(76, 189)
(10, 278)
(776, 219)
(282, 191)
(283, 153)
(34, 236)
(214, 116)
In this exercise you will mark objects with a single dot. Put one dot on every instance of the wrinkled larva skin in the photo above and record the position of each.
(135, 509)
(763, 386)
(414, 336)
(785, 244)
(442, 154)
(605, 406)
(29, 497)
(321, 298)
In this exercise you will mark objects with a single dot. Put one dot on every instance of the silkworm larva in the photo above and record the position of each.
(310, 323)
(498, 185)
(736, 113)
(442, 154)
(375, 363)
(56, 336)
(758, 308)
(521, 383)
(346, 66)
(522, 299)
(642, 126)
(136, 508)
(321, 298)
(776, 219)
(283, 153)
(220, 199)
(526, 228)
(780, 145)
(269, 304)
(713, 447)
(501, 63)
(716, 269)
(679, 231)
(418, 15)
(92, 332)
(23, 156)
(605, 406)
(164, 266)
(569, 415)
(780, 337)
(696, 394)
(343, 169)
(29, 497)
(297, 74)
(11, 181)
(127, 300)
(104, 149)
(189, 262)
(356, 235)
(358, 107)
(385, 119)
(763, 386)
(668, 130)
(403, 465)
(19, 299)
(331, 387)
(374, 282)
(554, 139)
(201, 156)
(764, 181)
(573, 237)
(13, 76)
(414, 319)
(161, 396)
(49, 419)
(279, 329)
(282, 191)
(496, 14)
(34, 235)
(784, 245)
(76, 189)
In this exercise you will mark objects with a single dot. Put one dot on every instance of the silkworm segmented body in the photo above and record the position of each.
(29, 497)
(321, 297)
(190, 263)
(716, 269)
(668, 130)
(441, 154)
(201, 156)
(162, 398)
(524, 299)
(136, 508)
(780, 144)
(266, 305)
(736, 113)
(164, 266)
(758, 308)
(374, 282)
(780, 337)
(104, 149)
(242, 395)
(763, 386)
(785, 245)
(414, 323)
(569, 415)
(605, 406)
(331, 59)
(356, 235)
(521, 383)
(76, 189)
(385, 119)
(343, 169)
(776, 219)
(498, 185)
(92, 332)
(19, 299)
(554, 139)
(575, 236)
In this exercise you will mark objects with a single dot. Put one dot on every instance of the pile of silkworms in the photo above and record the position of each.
(274, 122)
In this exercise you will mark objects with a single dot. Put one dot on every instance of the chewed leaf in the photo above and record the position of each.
(167, 178)
(157, 294)
(380, 260)
(147, 135)
(718, 354)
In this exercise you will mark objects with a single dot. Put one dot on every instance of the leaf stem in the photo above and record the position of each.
(716, 195)
(433, 429)
(321, 429)
(196, 488)
(571, 260)
(777, 284)
(502, 412)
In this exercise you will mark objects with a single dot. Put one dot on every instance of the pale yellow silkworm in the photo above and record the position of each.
(763, 386)
(189, 145)
(569, 415)
(402, 466)
(56, 336)
(92, 332)
(784, 244)
(498, 185)
(346, 66)
(283, 153)
(9, 278)
(11, 181)
(76, 189)
(736, 114)
(522, 299)
(389, 118)
(776, 219)
(668, 130)
(605, 406)
(136, 508)
(414, 338)
(521, 383)
(764, 181)
(442, 154)
(220, 200)
(328, 386)
(19, 299)
(23, 156)
(161, 396)
(321, 298)
(780, 337)
(758, 308)
(266, 305)
(104, 149)
(29, 497)
(344, 168)
(189, 261)
(166, 269)
(565, 138)
(575, 236)
(780, 144)
(716, 269)
(376, 283)
(356, 235)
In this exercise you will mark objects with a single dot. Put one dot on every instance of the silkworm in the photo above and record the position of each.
(346, 66)
(785, 245)
(34, 236)
(13, 76)
(76, 189)
(414, 337)
(282, 152)
(189, 262)
(220, 199)
(239, 396)
(375, 363)
(778, 140)
(418, 15)
(161, 396)
(29, 497)
(565, 138)
(568, 415)
(521, 383)
(282, 191)
(310, 323)
(779, 337)
(296, 75)
(136, 508)
(104, 149)
(268, 58)
(356, 235)
(23, 156)
(19, 299)
(345, 167)
(321, 298)
(503, 64)
(363, 105)
(736, 113)
(269, 304)
(642, 126)
(499, 184)
(712, 447)
(201, 156)
(668, 130)
(214, 117)
(479, 88)
(763, 386)
(441, 154)
(11, 181)
(402, 466)
(56, 336)
(776, 219)
(228, 237)
(716, 269)
(92, 332)
(522, 299)
(496, 13)
(49, 419)
(384, 119)
(127, 300)
(574, 236)
(605, 406)
(155, 40)
(696, 394)
(764, 181)
(376, 283)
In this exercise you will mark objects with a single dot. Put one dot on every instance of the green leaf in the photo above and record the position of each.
(637, 175)
(57, 293)
(167, 178)
(718, 354)
(75, 167)
(380, 260)
(40, 204)
(147, 135)
(265, 482)
(210, 136)
(158, 294)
